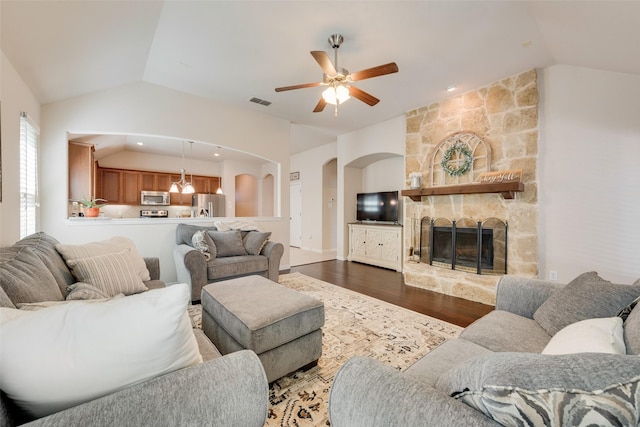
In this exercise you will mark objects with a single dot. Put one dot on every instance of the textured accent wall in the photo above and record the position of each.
(505, 114)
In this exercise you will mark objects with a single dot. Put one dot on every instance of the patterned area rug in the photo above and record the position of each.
(355, 324)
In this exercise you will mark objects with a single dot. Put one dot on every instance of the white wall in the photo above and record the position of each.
(16, 98)
(329, 205)
(147, 109)
(589, 173)
(310, 165)
(384, 175)
(358, 150)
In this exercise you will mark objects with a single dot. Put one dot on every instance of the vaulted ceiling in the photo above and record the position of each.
(232, 51)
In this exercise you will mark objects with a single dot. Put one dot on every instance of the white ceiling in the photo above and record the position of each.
(231, 51)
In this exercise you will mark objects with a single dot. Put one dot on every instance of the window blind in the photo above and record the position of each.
(28, 176)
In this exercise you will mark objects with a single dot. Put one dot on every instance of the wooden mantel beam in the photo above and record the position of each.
(507, 189)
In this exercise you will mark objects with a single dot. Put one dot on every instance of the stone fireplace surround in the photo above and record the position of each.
(505, 115)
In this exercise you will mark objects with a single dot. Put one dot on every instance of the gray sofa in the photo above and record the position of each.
(221, 391)
(193, 268)
(494, 374)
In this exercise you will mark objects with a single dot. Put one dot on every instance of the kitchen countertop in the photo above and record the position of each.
(148, 221)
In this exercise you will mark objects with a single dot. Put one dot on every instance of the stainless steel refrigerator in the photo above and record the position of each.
(208, 205)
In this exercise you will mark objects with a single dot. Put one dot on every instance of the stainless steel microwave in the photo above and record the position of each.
(155, 198)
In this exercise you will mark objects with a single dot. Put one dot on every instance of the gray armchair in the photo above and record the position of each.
(193, 268)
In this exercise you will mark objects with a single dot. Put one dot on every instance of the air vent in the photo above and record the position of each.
(260, 101)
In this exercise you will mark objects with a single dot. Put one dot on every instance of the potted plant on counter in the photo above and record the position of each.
(92, 206)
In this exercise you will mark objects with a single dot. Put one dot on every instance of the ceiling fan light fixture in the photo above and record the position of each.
(336, 95)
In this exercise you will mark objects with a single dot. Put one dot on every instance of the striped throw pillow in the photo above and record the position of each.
(111, 273)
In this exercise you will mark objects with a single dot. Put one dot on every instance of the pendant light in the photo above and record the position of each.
(183, 186)
(219, 191)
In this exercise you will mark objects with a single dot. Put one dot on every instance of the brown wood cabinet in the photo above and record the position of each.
(130, 194)
(81, 178)
(123, 187)
(110, 183)
(155, 181)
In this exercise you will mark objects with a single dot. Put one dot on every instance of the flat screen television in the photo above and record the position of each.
(380, 206)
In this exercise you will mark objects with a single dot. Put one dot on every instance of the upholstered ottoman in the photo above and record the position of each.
(280, 325)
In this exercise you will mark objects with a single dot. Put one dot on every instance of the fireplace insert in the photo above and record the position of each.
(477, 247)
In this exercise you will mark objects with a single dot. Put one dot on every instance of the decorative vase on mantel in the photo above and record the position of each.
(416, 181)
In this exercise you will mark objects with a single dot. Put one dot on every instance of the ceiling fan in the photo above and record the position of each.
(339, 79)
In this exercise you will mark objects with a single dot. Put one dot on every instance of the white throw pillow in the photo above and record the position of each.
(61, 356)
(600, 335)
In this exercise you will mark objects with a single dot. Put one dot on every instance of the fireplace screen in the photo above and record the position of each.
(473, 246)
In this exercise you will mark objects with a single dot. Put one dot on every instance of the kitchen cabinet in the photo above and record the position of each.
(123, 187)
(155, 181)
(375, 244)
(130, 194)
(206, 184)
(81, 171)
(109, 185)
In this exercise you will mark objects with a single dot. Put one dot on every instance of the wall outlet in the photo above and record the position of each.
(553, 275)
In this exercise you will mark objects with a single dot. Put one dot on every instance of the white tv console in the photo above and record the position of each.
(376, 244)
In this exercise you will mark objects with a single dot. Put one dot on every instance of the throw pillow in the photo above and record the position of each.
(600, 335)
(25, 278)
(44, 246)
(254, 241)
(632, 331)
(517, 389)
(5, 301)
(625, 312)
(80, 351)
(113, 245)
(84, 291)
(238, 224)
(228, 243)
(203, 242)
(585, 297)
(111, 273)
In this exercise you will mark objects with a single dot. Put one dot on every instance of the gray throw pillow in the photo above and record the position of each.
(254, 241)
(585, 297)
(632, 331)
(228, 243)
(25, 278)
(5, 301)
(535, 389)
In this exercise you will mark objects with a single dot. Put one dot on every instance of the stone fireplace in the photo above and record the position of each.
(504, 115)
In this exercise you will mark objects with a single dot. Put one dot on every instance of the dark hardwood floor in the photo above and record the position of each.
(388, 285)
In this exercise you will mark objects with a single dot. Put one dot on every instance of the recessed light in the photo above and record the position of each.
(140, 143)
(451, 88)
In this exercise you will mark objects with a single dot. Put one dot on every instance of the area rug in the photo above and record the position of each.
(355, 324)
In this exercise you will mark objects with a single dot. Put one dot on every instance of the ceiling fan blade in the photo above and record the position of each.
(363, 96)
(320, 105)
(322, 58)
(380, 70)
(302, 86)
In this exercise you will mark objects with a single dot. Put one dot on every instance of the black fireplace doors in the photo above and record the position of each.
(473, 246)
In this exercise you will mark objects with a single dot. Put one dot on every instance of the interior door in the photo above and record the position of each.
(295, 217)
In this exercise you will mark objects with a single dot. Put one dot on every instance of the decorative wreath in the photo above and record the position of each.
(463, 151)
